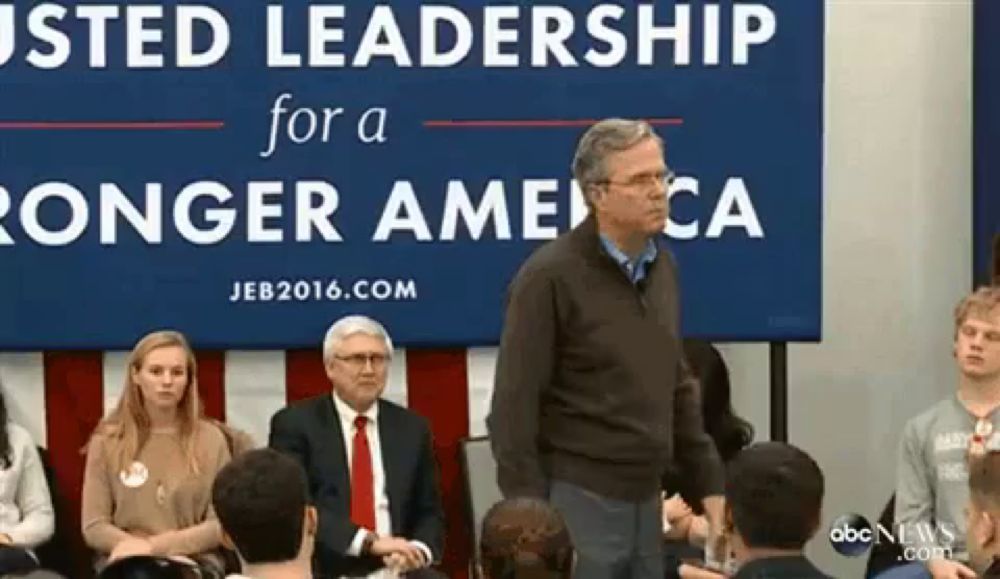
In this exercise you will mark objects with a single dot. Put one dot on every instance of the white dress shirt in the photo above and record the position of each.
(383, 520)
(25, 504)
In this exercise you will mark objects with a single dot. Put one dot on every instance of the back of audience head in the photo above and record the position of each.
(525, 538)
(983, 528)
(262, 501)
(149, 567)
(729, 432)
(774, 497)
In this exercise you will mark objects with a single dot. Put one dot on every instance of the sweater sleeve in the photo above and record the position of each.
(694, 448)
(525, 367)
(914, 487)
(98, 502)
(193, 540)
(33, 500)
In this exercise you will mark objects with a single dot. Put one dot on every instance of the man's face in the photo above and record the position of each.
(358, 370)
(634, 198)
(977, 345)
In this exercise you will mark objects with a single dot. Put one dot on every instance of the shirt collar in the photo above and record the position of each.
(647, 255)
(348, 414)
(634, 269)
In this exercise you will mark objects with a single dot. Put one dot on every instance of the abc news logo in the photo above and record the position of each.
(852, 535)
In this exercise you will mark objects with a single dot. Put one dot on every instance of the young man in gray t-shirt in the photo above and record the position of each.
(932, 477)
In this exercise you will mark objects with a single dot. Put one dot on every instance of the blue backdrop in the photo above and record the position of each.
(986, 208)
(752, 129)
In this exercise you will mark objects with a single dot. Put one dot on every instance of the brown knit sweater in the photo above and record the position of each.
(590, 384)
(172, 507)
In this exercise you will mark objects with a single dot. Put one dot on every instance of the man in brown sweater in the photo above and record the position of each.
(592, 398)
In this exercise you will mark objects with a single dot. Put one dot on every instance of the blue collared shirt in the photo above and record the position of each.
(634, 270)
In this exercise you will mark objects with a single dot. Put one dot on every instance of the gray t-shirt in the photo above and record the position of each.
(932, 478)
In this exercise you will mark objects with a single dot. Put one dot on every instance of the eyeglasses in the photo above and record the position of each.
(361, 360)
(645, 181)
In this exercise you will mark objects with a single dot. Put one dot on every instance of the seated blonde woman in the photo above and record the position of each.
(152, 461)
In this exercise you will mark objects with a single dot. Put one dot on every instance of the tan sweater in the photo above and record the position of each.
(172, 507)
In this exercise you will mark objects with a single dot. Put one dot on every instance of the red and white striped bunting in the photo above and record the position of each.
(60, 396)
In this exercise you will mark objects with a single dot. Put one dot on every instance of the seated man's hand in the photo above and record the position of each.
(945, 569)
(398, 554)
(401, 564)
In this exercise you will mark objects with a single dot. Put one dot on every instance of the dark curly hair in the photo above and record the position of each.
(730, 432)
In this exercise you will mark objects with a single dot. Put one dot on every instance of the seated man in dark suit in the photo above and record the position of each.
(774, 494)
(370, 463)
(525, 537)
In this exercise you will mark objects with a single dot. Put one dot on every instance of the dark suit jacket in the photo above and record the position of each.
(797, 567)
(310, 432)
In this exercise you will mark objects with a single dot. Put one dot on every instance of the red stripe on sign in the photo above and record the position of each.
(531, 123)
(74, 405)
(305, 376)
(110, 125)
(212, 382)
(437, 389)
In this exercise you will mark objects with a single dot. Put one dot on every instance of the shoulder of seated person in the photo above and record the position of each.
(921, 423)
(310, 404)
(410, 418)
(106, 433)
(18, 435)
(211, 431)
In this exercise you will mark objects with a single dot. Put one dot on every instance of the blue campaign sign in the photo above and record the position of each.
(986, 206)
(248, 172)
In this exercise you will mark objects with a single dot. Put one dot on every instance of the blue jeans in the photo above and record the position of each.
(614, 539)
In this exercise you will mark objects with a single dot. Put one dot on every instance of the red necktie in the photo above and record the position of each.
(362, 479)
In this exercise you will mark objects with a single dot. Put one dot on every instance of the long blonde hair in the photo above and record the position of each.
(128, 426)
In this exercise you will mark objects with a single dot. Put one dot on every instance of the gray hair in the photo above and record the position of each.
(602, 140)
(348, 326)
